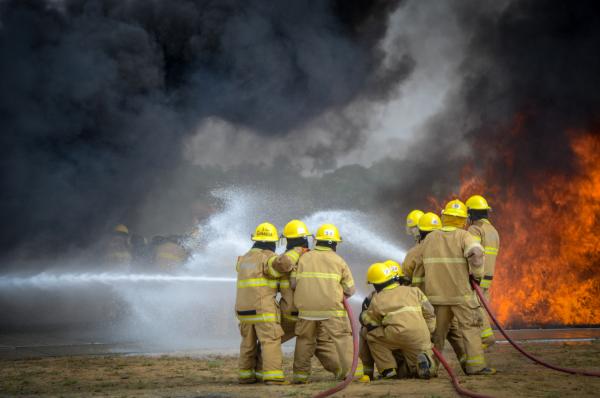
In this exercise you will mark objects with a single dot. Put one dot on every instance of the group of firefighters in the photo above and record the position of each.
(415, 305)
(161, 254)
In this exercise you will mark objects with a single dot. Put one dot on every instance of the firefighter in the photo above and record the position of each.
(321, 281)
(296, 234)
(257, 309)
(412, 220)
(484, 231)
(448, 257)
(118, 250)
(398, 318)
(169, 252)
(427, 222)
(364, 351)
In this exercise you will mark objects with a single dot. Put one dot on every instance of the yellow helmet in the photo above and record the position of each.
(328, 232)
(477, 202)
(121, 228)
(295, 229)
(379, 273)
(395, 266)
(266, 232)
(413, 218)
(430, 222)
(455, 208)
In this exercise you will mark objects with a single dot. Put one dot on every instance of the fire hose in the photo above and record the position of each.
(350, 375)
(459, 389)
(477, 289)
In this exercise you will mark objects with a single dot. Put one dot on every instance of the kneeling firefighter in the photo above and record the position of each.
(296, 234)
(257, 309)
(322, 280)
(398, 318)
(364, 351)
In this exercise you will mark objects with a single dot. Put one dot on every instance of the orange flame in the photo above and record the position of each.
(548, 268)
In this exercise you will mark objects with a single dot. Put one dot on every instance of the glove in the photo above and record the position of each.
(365, 304)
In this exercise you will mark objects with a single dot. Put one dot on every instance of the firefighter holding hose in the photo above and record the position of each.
(449, 256)
(484, 232)
(398, 318)
(257, 309)
(296, 235)
(321, 281)
(412, 229)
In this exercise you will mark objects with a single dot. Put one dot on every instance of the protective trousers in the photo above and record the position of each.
(364, 353)
(335, 328)
(383, 340)
(268, 334)
(325, 351)
(469, 324)
(487, 334)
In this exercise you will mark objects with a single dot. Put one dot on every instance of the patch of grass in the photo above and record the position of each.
(215, 363)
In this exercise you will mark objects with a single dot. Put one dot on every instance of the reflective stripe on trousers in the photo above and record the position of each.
(326, 313)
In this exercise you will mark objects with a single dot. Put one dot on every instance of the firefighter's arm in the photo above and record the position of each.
(473, 252)
(476, 232)
(418, 272)
(268, 269)
(371, 318)
(428, 311)
(347, 281)
(408, 265)
(287, 261)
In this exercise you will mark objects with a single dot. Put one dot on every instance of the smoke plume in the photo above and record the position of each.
(99, 96)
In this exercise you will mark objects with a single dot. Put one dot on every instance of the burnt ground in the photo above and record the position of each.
(215, 376)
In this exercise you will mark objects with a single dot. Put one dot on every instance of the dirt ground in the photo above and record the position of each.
(181, 376)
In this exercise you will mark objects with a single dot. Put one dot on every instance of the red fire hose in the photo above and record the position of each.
(520, 349)
(459, 389)
(350, 375)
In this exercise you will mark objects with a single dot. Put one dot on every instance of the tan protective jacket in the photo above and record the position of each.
(284, 265)
(403, 306)
(409, 266)
(256, 287)
(448, 256)
(321, 281)
(488, 236)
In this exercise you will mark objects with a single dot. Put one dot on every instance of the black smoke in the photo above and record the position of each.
(97, 96)
(527, 84)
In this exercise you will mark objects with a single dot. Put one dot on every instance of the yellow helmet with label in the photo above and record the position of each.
(265, 232)
(455, 208)
(328, 232)
(430, 222)
(295, 229)
(413, 218)
(477, 202)
(395, 266)
(379, 273)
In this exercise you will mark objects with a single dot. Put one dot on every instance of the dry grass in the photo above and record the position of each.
(167, 376)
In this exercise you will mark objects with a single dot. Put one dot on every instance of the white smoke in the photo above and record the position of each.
(194, 307)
